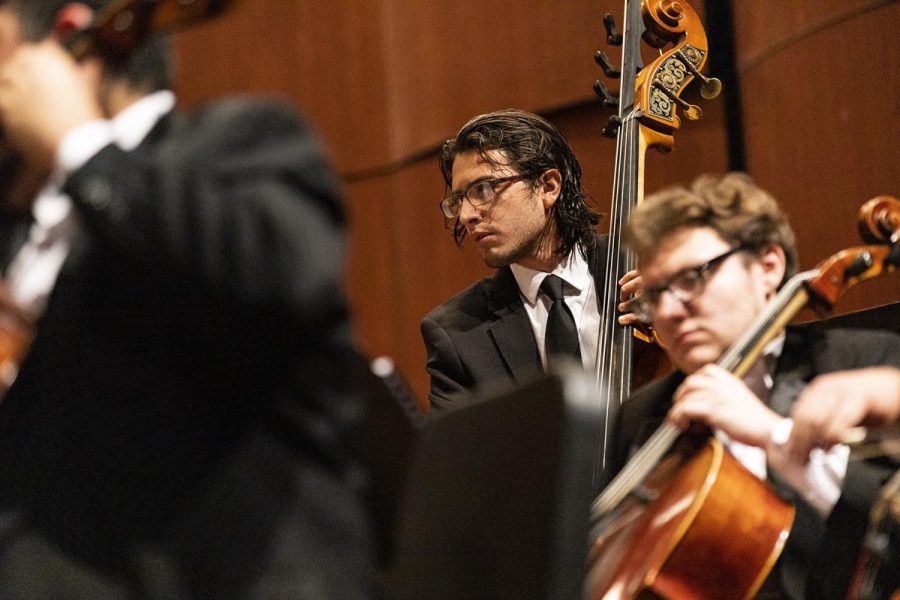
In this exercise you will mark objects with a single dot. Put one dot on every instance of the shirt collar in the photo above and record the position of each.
(573, 270)
(131, 125)
(759, 377)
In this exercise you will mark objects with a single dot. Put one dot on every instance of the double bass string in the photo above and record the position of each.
(608, 367)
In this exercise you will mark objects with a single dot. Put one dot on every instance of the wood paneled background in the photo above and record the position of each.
(385, 81)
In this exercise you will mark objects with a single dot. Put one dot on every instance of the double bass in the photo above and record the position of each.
(694, 523)
(647, 116)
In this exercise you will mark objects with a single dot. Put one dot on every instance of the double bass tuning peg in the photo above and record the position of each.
(612, 38)
(612, 127)
(710, 87)
(608, 69)
(691, 111)
(605, 97)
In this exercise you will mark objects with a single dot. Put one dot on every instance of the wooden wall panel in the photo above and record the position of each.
(822, 119)
(452, 59)
(324, 57)
(385, 81)
(403, 262)
(371, 275)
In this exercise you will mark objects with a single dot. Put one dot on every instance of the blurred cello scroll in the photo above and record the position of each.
(694, 523)
(647, 107)
(17, 329)
(124, 26)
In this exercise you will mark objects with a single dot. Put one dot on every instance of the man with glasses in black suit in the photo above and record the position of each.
(711, 259)
(514, 188)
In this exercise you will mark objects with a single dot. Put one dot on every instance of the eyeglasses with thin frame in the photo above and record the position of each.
(685, 285)
(478, 193)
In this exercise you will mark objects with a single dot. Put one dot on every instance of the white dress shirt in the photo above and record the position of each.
(580, 296)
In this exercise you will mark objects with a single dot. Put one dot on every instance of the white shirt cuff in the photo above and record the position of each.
(820, 480)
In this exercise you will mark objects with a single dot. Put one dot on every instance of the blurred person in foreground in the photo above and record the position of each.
(181, 424)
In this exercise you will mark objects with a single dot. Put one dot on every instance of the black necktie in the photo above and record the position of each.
(561, 338)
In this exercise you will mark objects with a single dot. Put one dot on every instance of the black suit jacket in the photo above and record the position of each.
(819, 557)
(482, 336)
(187, 395)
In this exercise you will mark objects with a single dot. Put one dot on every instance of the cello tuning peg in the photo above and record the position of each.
(710, 86)
(605, 97)
(608, 69)
(860, 265)
(612, 38)
(612, 127)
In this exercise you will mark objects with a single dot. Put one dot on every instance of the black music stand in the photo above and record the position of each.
(885, 316)
(499, 495)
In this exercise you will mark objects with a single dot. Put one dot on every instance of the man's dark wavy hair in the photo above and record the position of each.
(148, 69)
(530, 146)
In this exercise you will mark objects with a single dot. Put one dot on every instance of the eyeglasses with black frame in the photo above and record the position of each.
(478, 193)
(685, 285)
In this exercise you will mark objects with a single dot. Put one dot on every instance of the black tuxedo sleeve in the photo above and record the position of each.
(235, 203)
(206, 276)
(846, 525)
(448, 378)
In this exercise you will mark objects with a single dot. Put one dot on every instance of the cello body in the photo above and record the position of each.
(712, 531)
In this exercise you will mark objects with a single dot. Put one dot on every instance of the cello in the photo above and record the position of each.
(647, 117)
(695, 523)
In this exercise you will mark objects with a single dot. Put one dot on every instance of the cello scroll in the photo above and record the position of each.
(879, 223)
(879, 220)
(125, 25)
